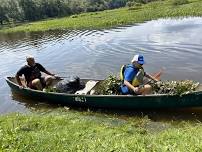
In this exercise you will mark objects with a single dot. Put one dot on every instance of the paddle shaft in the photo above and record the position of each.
(156, 75)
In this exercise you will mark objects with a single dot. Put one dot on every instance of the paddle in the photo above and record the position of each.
(61, 77)
(156, 75)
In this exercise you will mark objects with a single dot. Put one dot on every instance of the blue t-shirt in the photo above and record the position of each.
(129, 74)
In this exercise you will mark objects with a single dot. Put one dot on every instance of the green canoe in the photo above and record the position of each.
(193, 99)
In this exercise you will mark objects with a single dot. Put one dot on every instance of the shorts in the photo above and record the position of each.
(43, 83)
(124, 90)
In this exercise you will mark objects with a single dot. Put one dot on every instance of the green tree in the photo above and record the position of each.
(15, 12)
(31, 9)
(3, 12)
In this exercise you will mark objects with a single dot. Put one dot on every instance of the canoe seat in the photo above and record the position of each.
(88, 86)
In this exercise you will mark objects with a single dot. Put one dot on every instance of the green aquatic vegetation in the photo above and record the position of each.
(133, 4)
(174, 87)
(109, 86)
(50, 89)
(113, 18)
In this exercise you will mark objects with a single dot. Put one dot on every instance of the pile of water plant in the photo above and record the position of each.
(50, 89)
(174, 87)
(109, 86)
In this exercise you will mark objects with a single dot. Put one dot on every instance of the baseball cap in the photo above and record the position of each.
(28, 57)
(138, 58)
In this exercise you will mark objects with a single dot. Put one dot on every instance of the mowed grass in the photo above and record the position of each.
(61, 130)
(117, 17)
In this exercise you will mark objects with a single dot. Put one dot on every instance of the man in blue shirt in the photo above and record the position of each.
(133, 78)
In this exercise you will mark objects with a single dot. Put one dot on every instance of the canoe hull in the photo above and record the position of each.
(112, 101)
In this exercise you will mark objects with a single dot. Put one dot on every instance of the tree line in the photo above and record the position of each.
(12, 11)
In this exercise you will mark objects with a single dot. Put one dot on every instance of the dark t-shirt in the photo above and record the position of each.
(31, 73)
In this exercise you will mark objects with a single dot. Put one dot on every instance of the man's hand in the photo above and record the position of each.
(57, 77)
(22, 86)
(136, 89)
(156, 80)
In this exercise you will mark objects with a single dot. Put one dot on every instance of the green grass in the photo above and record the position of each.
(61, 130)
(117, 17)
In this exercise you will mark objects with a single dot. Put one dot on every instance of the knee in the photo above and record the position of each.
(36, 82)
(49, 80)
(148, 87)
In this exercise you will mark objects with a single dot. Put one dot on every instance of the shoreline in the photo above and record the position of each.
(113, 18)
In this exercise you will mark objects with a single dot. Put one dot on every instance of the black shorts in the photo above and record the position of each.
(43, 83)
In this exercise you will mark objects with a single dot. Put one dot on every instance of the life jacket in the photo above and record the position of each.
(138, 79)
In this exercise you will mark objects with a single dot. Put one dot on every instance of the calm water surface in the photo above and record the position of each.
(174, 45)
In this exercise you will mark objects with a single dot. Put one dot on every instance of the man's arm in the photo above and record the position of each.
(18, 79)
(130, 86)
(20, 72)
(41, 68)
(47, 72)
(128, 76)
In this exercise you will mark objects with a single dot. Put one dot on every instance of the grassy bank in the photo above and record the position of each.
(85, 131)
(112, 18)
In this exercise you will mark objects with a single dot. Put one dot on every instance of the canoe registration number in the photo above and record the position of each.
(80, 99)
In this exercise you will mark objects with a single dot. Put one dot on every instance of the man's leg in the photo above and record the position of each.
(37, 84)
(48, 80)
(147, 89)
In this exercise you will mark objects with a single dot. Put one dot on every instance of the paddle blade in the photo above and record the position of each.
(157, 75)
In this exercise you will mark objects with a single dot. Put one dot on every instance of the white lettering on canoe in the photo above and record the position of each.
(80, 99)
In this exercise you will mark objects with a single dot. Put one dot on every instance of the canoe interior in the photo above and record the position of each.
(83, 81)
(54, 81)
(23, 80)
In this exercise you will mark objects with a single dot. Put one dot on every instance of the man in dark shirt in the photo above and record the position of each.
(32, 73)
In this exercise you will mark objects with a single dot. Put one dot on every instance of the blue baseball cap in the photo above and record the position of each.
(138, 58)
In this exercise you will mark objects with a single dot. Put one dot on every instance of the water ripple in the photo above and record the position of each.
(97, 53)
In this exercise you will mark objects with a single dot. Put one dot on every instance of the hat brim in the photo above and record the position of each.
(140, 62)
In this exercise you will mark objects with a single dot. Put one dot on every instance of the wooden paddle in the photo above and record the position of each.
(156, 75)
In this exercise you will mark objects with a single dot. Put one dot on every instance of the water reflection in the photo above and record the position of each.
(174, 45)
(32, 104)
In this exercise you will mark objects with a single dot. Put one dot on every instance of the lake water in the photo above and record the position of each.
(172, 44)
